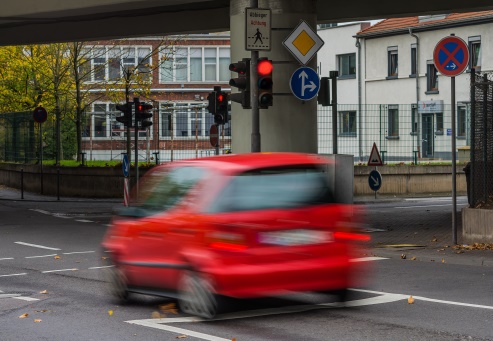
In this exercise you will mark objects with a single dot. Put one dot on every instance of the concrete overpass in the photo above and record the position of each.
(35, 21)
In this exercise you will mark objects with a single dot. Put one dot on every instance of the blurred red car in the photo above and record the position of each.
(248, 225)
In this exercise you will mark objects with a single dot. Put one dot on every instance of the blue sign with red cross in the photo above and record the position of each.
(451, 56)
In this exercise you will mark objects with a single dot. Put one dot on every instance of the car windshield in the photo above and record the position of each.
(274, 188)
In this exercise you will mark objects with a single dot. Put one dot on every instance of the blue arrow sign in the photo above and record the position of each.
(375, 180)
(305, 83)
(125, 165)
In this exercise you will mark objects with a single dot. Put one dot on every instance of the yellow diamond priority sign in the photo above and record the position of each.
(303, 43)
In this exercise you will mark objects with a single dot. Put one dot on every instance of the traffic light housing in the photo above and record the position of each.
(126, 118)
(143, 113)
(323, 97)
(264, 73)
(212, 102)
(242, 82)
(221, 114)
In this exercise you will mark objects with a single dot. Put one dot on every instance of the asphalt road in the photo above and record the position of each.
(52, 269)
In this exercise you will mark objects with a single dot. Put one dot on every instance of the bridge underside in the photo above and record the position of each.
(34, 21)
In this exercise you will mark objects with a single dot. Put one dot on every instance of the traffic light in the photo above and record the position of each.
(212, 102)
(143, 114)
(126, 118)
(221, 114)
(323, 97)
(242, 82)
(264, 72)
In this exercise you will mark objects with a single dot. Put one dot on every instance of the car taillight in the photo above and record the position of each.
(226, 241)
(350, 231)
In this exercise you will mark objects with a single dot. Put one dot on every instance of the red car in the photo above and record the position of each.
(247, 225)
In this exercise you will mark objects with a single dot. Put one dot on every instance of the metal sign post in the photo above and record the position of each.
(451, 57)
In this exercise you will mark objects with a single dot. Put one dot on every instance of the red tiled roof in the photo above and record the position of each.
(396, 24)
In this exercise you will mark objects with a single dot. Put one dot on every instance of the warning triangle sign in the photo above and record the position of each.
(375, 159)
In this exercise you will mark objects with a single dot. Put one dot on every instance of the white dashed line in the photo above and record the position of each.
(366, 259)
(40, 211)
(29, 299)
(49, 271)
(73, 253)
(39, 246)
(21, 274)
(84, 221)
(101, 267)
(42, 256)
(6, 258)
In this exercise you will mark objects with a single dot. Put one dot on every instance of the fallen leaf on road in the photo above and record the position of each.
(181, 336)
(57, 257)
(403, 256)
(443, 260)
(37, 320)
(168, 308)
(104, 258)
(414, 258)
(434, 239)
(23, 316)
(41, 311)
(410, 300)
(110, 312)
(156, 315)
(44, 292)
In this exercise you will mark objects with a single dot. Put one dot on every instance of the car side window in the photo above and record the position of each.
(167, 188)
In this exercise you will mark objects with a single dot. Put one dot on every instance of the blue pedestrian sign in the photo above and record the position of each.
(375, 180)
(125, 165)
(305, 83)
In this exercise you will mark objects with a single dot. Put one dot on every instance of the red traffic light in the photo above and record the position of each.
(264, 67)
(220, 97)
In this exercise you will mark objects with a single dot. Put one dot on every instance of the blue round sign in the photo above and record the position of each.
(375, 180)
(125, 165)
(305, 83)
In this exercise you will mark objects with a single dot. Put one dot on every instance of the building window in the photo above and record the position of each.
(475, 53)
(110, 63)
(347, 123)
(195, 64)
(393, 62)
(431, 78)
(414, 59)
(347, 65)
(461, 121)
(393, 121)
(414, 119)
(439, 123)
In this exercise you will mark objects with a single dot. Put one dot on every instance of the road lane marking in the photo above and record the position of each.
(60, 270)
(6, 258)
(367, 259)
(29, 299)
(21, 274)
(77, 252)
(9, 295)
(39, 246)
(101, 267)
(162, 324)
(84, 221)
(43, 256)
(40, 211)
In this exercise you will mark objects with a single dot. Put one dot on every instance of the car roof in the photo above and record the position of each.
(247, 161)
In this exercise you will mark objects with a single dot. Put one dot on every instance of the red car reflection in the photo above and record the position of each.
(247, 225)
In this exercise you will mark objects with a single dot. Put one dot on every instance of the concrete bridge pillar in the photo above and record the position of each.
(290, 124)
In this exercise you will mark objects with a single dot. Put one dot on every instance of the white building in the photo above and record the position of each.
(401, 102)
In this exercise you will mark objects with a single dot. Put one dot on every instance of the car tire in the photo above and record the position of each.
(118, 285)
(197, 296)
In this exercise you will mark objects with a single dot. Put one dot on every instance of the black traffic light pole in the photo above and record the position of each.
(136, 147)
(255, 140)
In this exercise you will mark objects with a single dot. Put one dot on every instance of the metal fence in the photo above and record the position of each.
(402, 133)
(481, 173)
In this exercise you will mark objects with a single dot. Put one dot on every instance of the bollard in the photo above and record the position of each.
(22, 183)
(58, 184)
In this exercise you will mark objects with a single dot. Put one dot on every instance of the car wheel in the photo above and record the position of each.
(118, 285)
(196, 296)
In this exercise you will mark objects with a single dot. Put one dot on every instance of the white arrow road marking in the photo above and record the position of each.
(366, 259)
(34, 245)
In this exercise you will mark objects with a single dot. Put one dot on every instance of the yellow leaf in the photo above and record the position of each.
(110, 312)
(57, 257)
(23, 316)
(37, 320)
(181, 336)
(443, 260)
(414, 258)
(156, 315)
(104, 258)
(44, 292)
(168, 308)
(403, 256)
(410, 300)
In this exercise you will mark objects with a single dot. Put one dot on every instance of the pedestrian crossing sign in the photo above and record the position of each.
(375, 159)
(257, 29)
